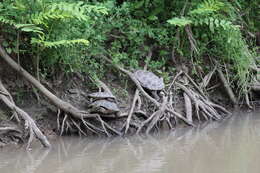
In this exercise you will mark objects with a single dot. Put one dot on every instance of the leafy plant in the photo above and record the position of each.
(223, 34)
(48, 23)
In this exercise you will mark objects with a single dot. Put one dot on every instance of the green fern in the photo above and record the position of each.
(45, 17)
(208, 7)
(181, 22)
(7, 21)
(214, 23)
(60, 43)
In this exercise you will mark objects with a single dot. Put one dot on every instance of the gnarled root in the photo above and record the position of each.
(155, 117)
(33, 128)
(203, 105)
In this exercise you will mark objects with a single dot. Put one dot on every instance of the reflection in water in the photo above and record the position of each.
(232, 146)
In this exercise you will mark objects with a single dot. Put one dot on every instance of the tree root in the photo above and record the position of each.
(202, 104)
(145, 94)
(227, 87)
(34, 130)
(65, 106)
(154, 118)
(70, 118)
(136, 95)
(188, 107)
(128, 120)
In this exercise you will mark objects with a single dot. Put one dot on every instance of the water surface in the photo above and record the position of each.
(230, 146)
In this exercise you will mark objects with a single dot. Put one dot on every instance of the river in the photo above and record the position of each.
(229, 146)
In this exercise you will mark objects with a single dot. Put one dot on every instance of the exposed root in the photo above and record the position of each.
(64, 106)
(137, 98)
(33, 128)
(203, 104)
(78, 127)
(146, 113)
(188, 107)
(207, 78)
(131, 110)
(157, 116)
(227, 87)
(63, 124)
(145, 94)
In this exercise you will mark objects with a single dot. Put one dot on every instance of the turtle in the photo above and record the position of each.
(150, 81)
(102, 95)
(105, 107)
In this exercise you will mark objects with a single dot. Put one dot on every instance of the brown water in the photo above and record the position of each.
(232, 146)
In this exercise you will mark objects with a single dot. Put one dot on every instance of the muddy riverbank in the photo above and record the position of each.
(74, 89)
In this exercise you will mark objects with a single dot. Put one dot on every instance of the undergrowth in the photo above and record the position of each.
(70, 35)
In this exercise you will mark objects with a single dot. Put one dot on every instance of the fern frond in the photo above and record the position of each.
(43, 17)
(208, 7)
(29, 28)
(60, 43)
(78, 10)
(179, 21)
(213, 23)
(21, 27)
(7, 21)
(75, 10)
(96, 9)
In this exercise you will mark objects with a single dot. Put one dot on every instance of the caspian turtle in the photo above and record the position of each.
(104, 107)
(150, 81)
(101, 95)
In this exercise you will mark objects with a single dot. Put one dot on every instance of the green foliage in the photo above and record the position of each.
(179, 21)
(71, 35)
(208, 7)
(213, 21)
(48, 24)
(60, 43)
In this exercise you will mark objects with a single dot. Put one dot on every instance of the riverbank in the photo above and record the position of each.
(74, 88)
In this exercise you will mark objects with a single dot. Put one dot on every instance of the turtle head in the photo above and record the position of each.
(162, 93)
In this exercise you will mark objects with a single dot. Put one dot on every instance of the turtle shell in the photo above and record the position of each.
(102, 95)
(109, 107)
(149, 80)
